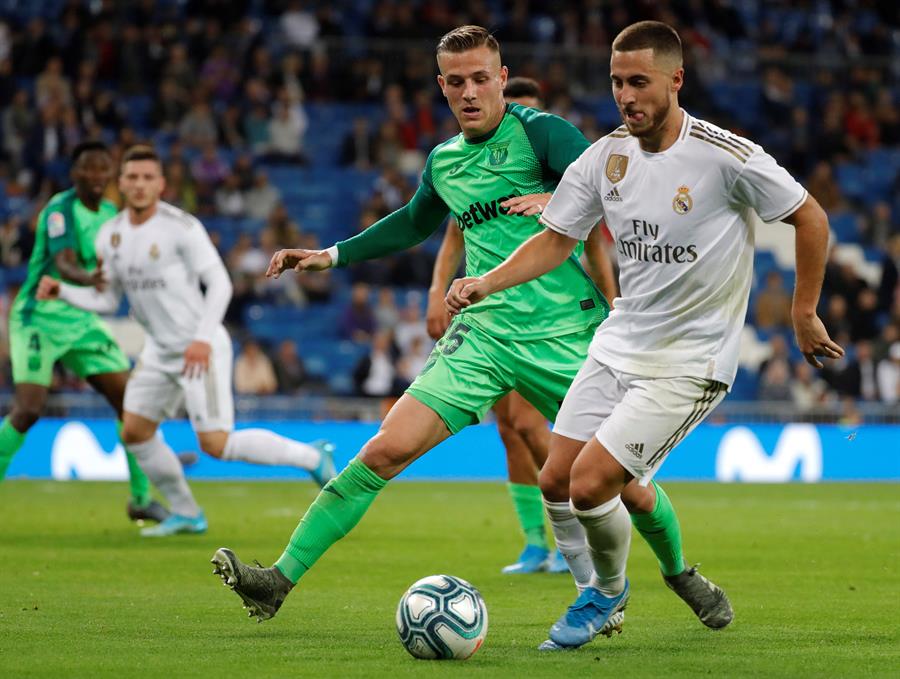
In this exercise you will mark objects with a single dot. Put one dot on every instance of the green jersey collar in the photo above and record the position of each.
(487, 135)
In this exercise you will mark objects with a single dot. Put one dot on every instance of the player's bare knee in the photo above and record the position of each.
(638, 499)
(213, 443)
(24, 416)
(554, 484)
(586, 491)
(385, 457)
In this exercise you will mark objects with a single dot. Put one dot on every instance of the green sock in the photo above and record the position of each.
(530, 509)
(11, 439)
(337, 509)
(661, 531)
(137, 479)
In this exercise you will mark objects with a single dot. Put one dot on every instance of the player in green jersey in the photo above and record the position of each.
(42, 333)
(532, 338)
(521, 426)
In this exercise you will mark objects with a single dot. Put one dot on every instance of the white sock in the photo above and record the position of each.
(261, 446)
(608, 531)
(571, 542)
(165, 471)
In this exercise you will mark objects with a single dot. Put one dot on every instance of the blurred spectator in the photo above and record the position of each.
(180, 69)
(289, 369)
(413, 359)
(411, 324)
(253, 372)
(17, 121)
(888, 376)
(15, 242)
(823, 187)
(198, 127)
(262, 198)
(246, 258)
(231, 128)
(808, 390)
(358, 321)
(208, 169)
(863, 315)
(773, 304)
(286, 129)
(220, 74)
(300, 27)
(230, 201)
(386, 314)
(890, 274)
(376, 374)
(879, 225)
(52, 84)
(775, 372)
(180, 189)
(358, 148)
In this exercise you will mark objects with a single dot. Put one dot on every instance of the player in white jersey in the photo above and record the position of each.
(675, 192)
(158, 256)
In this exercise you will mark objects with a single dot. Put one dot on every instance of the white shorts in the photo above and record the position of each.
(158, 394)
(639, 420)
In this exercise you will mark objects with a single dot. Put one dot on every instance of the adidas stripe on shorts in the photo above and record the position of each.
(639, 420)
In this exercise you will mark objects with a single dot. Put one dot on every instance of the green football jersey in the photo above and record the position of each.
(526, 154)
(64, 222)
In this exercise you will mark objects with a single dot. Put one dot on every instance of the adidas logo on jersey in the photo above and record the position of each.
(636, 449)
(613, 195)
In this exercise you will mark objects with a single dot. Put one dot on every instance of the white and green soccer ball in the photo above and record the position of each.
(442, 617)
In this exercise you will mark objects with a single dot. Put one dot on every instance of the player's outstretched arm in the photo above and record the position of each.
(541, 253)
(811, 242)
(449, 256)
(66, 262)
(87, 298)
(298, 260)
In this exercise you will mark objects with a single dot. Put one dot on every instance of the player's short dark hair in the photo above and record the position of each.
(522, 87)
(141, 152)
(465, 38)
(655, 35)
(87, 147)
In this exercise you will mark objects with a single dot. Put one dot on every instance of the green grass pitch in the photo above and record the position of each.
(812, 571)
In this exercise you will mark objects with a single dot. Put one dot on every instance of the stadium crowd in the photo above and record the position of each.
(289, 123)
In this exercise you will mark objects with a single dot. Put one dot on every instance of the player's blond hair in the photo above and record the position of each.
(655, 35)
(141, 152)
(465, 38)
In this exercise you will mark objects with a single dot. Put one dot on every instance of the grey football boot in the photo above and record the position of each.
(262, 589)
(708, 601)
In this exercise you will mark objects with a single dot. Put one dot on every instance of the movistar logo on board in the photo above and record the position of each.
(479, 213)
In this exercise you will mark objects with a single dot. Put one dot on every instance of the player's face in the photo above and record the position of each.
(644, 90)
(142, 183)
(473, 83)
(91, 173)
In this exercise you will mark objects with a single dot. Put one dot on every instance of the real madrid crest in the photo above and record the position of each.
(682, 202)
(616, 166)
(154, 251)
(115, 239)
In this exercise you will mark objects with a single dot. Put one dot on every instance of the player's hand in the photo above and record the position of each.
(196, 359)
(437, 318)
(48, 288)
(532, 204)
(298, 260)
(465, 292)
(813, 339)
(97, 277)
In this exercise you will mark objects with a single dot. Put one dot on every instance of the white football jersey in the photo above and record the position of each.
(684, 244)
(158, 265)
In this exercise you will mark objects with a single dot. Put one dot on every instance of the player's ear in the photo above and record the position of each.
(677, 79)
(504, 75)
(442, 84)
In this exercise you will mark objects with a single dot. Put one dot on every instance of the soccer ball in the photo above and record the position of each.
(442, 618)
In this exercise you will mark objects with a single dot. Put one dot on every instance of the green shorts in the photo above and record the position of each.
(34, 348)
(468, 371)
